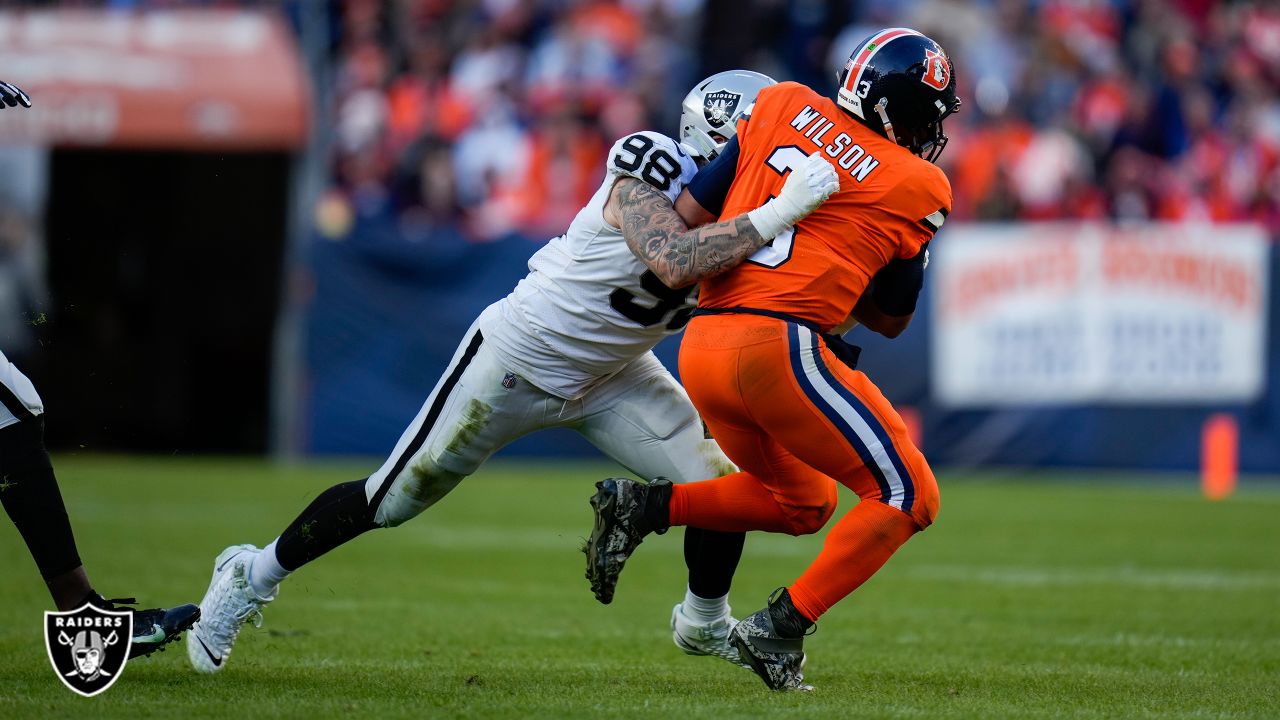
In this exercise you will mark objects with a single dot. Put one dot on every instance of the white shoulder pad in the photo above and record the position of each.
(655, 159)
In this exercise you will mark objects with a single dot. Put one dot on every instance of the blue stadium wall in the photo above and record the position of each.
(387, 315)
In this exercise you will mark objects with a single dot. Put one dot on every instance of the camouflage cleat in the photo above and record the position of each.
(777, 660)
(626, 511)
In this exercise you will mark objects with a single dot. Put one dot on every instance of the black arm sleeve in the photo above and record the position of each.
(711, 185)
(896, 287)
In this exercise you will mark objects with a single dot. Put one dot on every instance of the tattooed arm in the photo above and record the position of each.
(662, 240)
(658, 236)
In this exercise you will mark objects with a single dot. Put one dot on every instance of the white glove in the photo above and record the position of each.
(806, 188)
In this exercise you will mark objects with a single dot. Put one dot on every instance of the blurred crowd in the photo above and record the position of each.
(1131, 111)
(493, 116)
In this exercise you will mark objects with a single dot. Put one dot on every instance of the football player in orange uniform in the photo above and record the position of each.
(763, 361)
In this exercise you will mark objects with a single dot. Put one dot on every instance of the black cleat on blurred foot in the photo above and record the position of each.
(153, 628)
(626, 511)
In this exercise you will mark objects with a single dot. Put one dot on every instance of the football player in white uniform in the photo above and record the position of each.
(571, 346)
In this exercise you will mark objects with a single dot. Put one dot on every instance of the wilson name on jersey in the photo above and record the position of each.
(890, 204)
(587, 298)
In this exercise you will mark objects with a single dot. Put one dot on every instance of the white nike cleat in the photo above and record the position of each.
(227, 605)
(705, 639)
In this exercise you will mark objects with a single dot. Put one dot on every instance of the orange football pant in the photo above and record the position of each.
(797, 421)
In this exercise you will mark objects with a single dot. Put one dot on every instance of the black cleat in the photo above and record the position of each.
(626, 511)
(152, 628)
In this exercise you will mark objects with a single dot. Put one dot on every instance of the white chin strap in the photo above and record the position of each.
(884, 118)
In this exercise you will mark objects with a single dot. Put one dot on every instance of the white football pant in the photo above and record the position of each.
(639, 417)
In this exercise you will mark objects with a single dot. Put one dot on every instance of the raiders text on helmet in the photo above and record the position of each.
(712, 108)
(901, 84)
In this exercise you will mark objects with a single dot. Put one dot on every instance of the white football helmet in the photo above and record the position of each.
(711, 110)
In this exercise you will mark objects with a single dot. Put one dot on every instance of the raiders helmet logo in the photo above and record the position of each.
(937, 71)
(88, 647)
(719, 106)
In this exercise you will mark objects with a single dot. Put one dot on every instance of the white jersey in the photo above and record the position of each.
(18, 396)
(589, 306)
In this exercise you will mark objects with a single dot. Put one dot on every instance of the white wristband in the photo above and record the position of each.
(768, 221)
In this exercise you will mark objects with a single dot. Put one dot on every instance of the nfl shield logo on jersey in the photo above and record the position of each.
(719, 107)
(509, 380)
(88, 647)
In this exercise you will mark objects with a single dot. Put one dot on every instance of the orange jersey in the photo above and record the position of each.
(889, 205)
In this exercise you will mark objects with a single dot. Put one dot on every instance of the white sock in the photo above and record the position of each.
(265, 573)
(705, 610)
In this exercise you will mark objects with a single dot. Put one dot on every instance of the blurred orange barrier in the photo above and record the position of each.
(1219, 453)
(175, 79)
(915, 430)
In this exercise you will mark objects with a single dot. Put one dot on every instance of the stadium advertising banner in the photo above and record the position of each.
(1098, 314)
(192, 79)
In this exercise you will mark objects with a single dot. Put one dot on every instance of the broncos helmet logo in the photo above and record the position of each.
(937, 70)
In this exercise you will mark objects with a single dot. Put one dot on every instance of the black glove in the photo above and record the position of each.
(845, 351)
(896, 287)
(12, 96)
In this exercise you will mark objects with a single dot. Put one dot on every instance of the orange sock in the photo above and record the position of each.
(859, 545)
(733, 503)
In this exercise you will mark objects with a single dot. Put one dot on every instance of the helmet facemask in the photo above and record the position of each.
(931, 149)
(932, 140)
(928, 142)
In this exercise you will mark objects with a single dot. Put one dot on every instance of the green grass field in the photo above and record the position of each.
(1033, 597)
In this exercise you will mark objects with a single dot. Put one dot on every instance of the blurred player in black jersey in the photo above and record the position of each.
(29, 493)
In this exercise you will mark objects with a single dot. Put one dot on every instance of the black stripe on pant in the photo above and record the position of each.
(10, 400)
(429, 421)
(341, 512)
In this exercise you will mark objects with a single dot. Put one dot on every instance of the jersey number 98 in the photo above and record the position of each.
(659, 170)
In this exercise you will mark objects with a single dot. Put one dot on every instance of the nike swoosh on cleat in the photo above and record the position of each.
(217, 661)
(156, 635)
(687, 643)
(224, 562)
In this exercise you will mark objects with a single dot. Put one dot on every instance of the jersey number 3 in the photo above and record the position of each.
(778, 250)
